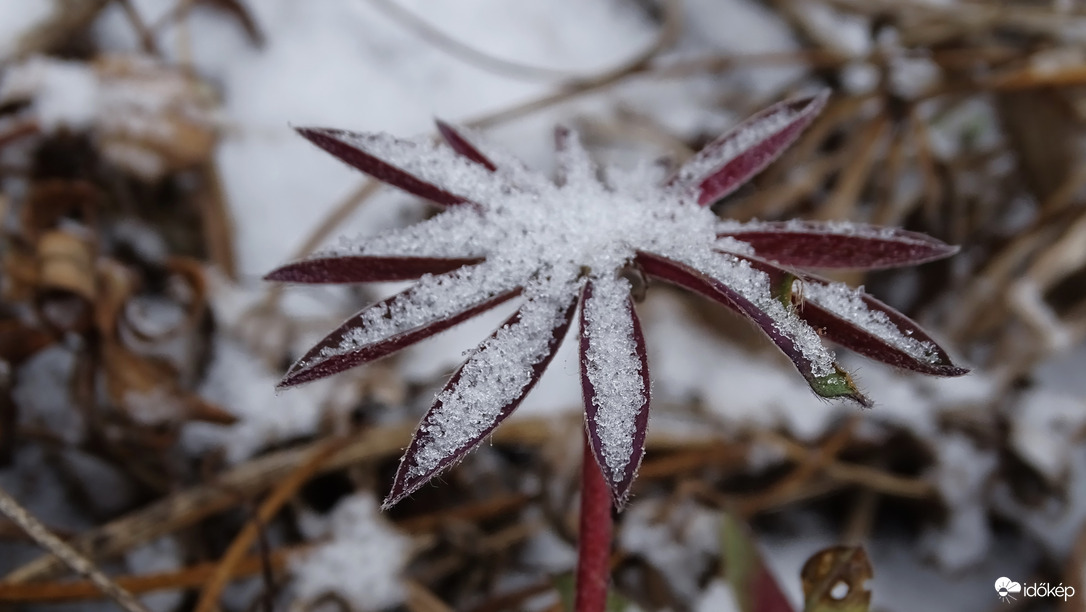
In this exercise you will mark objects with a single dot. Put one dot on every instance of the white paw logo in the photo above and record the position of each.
(1005, 587)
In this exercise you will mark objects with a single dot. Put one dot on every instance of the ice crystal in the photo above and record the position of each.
(507, 232)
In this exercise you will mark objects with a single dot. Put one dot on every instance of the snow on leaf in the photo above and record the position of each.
(859, 322)
(734, 158)
(552, 241)
(814, 244)
(433, 304)
(863, 324)
(484, 391)
(364, 269)
(735, 283)
(419, 167)
(457, 233)
(471, 145)
(614, 380)
(573, 162)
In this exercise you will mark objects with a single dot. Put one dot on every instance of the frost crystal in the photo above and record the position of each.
(507, 231)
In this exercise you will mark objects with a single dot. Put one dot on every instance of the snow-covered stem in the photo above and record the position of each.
(594, 539)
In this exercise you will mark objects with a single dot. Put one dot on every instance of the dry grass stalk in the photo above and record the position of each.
(209, 597)
(66, 554)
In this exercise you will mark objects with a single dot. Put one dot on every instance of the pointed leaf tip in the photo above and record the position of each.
(728, 162)
(839, 385)
(862, 323)
(482, 393)
(366, 152)
(456, 139)
(430, 306)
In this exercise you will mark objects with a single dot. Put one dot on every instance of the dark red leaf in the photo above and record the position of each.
(833, 385)
(462, 145)
(337, 142)
(848, 334)
(364, 269)
(734, 158)
(312, 366)
(619, 483)
(836, 327)
(406, 482)
(813, 244)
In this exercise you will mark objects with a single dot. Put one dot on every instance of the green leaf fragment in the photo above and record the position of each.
(838, 384)
(784, 290)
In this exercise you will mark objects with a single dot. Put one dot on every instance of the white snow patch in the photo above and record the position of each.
(45, 403)
(240, 382)
(961, 474)
(62, 93)
(743, 27)
(362, 563)
(1045, 426)
(679, 540)
(160, 555)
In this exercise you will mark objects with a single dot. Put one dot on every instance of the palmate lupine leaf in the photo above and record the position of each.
(557, 244)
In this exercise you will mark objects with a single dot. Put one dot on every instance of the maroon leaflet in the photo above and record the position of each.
(733, 159)
(461, 145)
(854, 337)
(813, 244)
(620, 487)
(365, 269)
(312, 366)
(405, 483)
(337, 143)
(833, 385)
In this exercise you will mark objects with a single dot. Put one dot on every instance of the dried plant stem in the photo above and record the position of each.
(465, 52)
(185, 578)
(40, 534)
(594, 539)
(283, 491)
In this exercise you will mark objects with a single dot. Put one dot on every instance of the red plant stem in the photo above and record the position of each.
(594, 547)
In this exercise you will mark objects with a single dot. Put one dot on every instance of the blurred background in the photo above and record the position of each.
(149, 177)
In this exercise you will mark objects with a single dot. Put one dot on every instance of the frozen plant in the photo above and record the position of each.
(589, 238)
